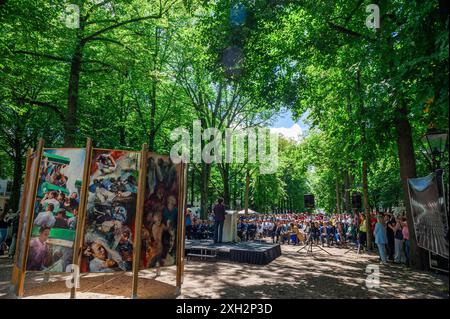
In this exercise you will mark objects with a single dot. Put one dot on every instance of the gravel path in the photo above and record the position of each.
(292, 275)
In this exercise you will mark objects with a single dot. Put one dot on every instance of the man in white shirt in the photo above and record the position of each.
(100, 262)
(39, 254)
(50, 198)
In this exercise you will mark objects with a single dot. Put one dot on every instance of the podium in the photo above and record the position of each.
(230, 227)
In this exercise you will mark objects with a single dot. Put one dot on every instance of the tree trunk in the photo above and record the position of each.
(338, 197)
(153, 91)
(226, 186)
(70, 125)
(122, 140)
(348, 206)
(152, 134)
(247, 187)
(366, 204)
(192, 184)
(235, 188)
(407, 160)
(17, 175)
(122, 129)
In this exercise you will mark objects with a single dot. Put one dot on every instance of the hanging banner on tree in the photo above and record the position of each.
(161, 210)
(56, 209)
(429, 216)
(110, 211)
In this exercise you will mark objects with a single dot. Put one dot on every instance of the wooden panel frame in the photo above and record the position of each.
(32, 192)
(26, 185)
(79, 236)
(31, 186)
(181, 226)
(138, 221)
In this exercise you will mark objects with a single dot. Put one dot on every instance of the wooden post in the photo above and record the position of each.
(138, 221)
(26, 185)
(183, 233)
(81, 215)
(27, 223)
(181, 225)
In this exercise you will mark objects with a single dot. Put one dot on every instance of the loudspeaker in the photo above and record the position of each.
(356, 201)
(308, 200)
(438, 262)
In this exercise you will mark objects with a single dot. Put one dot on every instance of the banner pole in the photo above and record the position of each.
(21, 212)
(180, 230)
(30, 213)
(79, 235)
(138, 221)
(180, 212)
(183, 235)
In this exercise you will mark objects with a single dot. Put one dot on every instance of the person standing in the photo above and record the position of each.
(381, 238)
(273, 232)
(405, 232)
(362, 232)
(15, 230)
(398, 242)
(9, 217)
(3, 232)
(188, 224)
(390, 224)
(219, 218)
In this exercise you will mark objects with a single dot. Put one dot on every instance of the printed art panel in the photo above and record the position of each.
(56, 210)
(160, 218)
(111, 210)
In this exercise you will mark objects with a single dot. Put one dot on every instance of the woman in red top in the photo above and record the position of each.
(373, 221)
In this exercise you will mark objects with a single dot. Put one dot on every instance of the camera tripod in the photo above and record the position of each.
(356, 248)
(309, 247)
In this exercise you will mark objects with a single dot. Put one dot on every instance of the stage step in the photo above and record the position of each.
(203, 253)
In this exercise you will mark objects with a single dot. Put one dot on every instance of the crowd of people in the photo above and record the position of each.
(200, 229)
(9, 225)
(300, 228)
(389, 232)
(211, 228)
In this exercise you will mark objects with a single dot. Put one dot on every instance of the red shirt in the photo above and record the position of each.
(373, 222)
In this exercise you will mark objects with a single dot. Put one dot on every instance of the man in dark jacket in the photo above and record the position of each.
(219, 218)
(390, 223)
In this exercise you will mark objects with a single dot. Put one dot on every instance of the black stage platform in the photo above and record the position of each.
(258, 253)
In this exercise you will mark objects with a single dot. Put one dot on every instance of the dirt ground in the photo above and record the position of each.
(292, 275)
